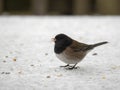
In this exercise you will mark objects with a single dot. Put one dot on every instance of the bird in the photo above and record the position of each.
(71, 51)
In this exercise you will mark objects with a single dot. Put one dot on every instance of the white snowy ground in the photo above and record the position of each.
(28, 62)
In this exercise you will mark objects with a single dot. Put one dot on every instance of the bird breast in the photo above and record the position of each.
(69, 56)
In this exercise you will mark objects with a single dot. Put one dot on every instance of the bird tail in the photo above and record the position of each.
(98, 44)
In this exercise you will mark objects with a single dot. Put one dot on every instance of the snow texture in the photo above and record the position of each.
(28, 62)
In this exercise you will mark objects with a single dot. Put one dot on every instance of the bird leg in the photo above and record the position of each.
(65, 65)
(73, 67)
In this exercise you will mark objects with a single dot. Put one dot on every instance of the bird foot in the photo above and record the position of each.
(71, 67)
(65, 65)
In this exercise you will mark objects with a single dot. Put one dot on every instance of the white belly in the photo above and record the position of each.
(66, 60)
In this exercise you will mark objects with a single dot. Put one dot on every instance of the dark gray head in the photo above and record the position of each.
(62, 41)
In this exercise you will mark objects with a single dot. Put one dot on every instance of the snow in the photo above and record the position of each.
(28, 62)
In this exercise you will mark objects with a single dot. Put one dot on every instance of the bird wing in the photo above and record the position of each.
(78, 47)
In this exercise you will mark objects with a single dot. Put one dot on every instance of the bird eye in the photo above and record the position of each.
(59, 38)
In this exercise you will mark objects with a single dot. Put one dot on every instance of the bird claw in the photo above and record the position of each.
(71, 67)
(65, 65)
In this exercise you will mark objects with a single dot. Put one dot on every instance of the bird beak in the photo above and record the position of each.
(53, 39)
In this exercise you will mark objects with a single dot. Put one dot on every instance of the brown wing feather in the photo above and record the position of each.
(77, 46)
(72, 52)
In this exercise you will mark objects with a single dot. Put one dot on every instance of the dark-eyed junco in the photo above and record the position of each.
(71, 51)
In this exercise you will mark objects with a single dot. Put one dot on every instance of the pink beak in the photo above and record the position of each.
(53, 39)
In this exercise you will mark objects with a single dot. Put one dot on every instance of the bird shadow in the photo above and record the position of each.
(81, 70)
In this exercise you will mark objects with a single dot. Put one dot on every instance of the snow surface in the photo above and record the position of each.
(28, 62)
